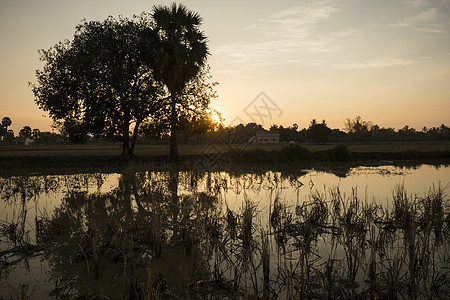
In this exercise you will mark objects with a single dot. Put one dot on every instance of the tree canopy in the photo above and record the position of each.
(4, 132)
(104, 83)
(180, 53)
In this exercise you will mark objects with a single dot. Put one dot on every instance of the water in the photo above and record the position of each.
(102, 233)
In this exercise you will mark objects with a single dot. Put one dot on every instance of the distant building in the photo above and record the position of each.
(28, 142)
(265, 137)
(20, 140)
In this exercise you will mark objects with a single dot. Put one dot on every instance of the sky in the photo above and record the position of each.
(276, 62)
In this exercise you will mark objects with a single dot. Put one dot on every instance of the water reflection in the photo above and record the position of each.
(199, 234)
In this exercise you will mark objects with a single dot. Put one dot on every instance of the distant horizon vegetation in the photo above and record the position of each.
(208, 130)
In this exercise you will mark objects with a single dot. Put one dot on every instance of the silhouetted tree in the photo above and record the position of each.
(9, 137)
(193, 106)
(274, 127)
(318, 132)
(358, 129)
(101, 80)
(180, 53)
(75, 131)
(6, 122)
(49, 138)
(35, 134)
(25, 132)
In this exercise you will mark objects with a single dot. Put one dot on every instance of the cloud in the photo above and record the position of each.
(417, 3)
(430, 16)
(380, 63)
(425, 16)
(296, 36)
(283, 36)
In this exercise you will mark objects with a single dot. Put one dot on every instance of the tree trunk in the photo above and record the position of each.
(127, 146)
(173, 131)
(134, 137)
(127, 151)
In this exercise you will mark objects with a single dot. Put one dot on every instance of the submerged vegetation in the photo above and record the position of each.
(175, 234)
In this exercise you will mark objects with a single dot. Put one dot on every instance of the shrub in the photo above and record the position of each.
(338, 153)
(294, 152)
(341, 153)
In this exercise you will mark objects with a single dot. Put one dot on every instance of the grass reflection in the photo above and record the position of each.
(173, 234)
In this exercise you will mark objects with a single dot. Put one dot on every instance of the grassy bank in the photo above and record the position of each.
(187, 150)
(71, 159)
(295, 152)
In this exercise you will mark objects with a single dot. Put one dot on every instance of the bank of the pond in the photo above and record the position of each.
(295, 152)
(88, 160)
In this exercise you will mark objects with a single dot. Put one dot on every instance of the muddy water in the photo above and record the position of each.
(51, 227)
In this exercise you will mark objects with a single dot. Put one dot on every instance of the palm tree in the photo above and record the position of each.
(179, 54)
(6, 122)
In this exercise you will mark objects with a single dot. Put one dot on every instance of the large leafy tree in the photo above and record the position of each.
(193, 112)
(180, 54)
(102, 82)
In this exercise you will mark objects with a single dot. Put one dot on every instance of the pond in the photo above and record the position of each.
(300, 233)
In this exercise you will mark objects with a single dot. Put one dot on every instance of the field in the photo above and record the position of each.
(152, 150)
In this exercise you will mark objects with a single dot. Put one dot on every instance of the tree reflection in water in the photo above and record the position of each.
(176, 234)
(138, 239)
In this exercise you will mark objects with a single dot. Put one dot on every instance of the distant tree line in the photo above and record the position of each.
(356, 130)
(35, 136)
(205, 130)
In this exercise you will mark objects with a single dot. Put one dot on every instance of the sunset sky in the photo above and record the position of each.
(385, 60)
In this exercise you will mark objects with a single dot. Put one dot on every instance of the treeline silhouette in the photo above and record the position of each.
(356, 130)
(27, 135)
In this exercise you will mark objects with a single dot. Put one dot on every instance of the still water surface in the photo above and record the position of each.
(30, 203)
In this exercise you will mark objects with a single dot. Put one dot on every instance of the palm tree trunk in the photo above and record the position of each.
(173, 131)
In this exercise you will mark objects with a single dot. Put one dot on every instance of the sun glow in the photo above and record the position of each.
(216, 117)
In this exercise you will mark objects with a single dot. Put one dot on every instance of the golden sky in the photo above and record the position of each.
(385, 60)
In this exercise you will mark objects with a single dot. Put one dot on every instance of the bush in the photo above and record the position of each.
(341, 153)
(256, 155)
(338, 153)
(294, 152)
